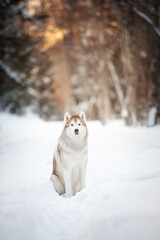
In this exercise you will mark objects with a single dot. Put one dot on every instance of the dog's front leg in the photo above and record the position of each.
(82, 177)
(67, 182)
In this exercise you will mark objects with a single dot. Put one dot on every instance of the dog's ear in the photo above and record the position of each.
(67, 116)
(82, 116)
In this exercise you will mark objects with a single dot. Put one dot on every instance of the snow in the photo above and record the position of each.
(120, 202)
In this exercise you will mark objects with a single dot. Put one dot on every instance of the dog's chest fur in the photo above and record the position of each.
(72, 153)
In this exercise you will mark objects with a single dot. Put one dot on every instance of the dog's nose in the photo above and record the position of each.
(76, 130)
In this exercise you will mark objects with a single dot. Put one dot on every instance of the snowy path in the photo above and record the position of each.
(122, 197)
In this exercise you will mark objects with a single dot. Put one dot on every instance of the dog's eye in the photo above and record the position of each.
(79, 124)
(72, 124)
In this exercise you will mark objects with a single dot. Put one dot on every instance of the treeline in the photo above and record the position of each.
(102, 57)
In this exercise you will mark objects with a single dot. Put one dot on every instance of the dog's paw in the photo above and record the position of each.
(69, 195)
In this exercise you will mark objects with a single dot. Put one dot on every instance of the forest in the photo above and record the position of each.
(102, 57)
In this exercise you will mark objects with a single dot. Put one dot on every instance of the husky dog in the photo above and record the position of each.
(70, 156)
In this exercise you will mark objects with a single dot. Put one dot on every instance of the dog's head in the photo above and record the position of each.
(75, 125)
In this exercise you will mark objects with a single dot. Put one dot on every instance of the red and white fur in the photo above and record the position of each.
(70, 157)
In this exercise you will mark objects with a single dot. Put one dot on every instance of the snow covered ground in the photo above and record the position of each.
(122, 197)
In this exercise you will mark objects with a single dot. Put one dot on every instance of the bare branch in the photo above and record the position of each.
(27, 16)
(116, 81)
(10, 73)
(146, 18)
